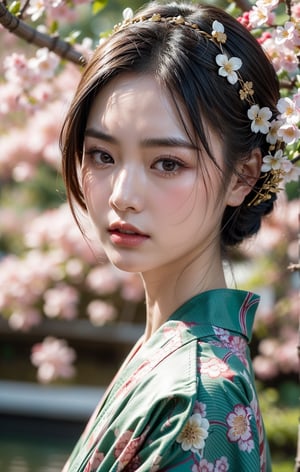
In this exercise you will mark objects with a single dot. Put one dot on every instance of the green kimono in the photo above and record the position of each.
(184, 400)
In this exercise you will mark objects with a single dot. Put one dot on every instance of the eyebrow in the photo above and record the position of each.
(147, 142)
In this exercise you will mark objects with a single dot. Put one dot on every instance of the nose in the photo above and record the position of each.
(128, 191)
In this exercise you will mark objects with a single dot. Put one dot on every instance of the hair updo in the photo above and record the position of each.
(184, 62)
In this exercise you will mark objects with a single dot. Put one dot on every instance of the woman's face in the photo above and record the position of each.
(151, 204)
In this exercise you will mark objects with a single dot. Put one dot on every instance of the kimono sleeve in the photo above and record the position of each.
(149, 445)
(143, 434)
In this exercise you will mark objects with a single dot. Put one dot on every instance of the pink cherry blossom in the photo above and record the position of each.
(259, 16)
(23, 171)
(295, 9)
(36, 9)
(61, 301)
(101, 312)
(245, 20)
(269, 4)
(289, 112)
(285, 33)
(17, 70)
(203, 466)
(104, 280)
(221, 465)
(62, 13)
(200, 407)
(126, 450)
(289, 133)
(24, 319)
(214, 368)
(96, 459)
(54, 359)
(44, 64)
(265, 368)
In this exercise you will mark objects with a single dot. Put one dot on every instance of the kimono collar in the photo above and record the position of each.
(227, 309)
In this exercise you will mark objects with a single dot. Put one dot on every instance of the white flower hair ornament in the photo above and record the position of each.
(276, 167)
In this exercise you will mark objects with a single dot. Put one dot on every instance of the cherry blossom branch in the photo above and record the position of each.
(293, 268)
(296, 159)
(244, 5)
(18, 27)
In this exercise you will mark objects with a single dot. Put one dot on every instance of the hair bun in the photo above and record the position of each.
(244, 221)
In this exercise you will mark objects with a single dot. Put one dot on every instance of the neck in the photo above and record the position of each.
(168, 288)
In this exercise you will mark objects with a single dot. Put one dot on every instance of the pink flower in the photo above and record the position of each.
(24, 319)
(17, 70)
(9, 93)
(244, 20)
(288, 110)
(269, 4)
(63, 13)
(287, 60)
(200, 408)
(296, 10)
(53, 358)
(44, 64)
(61, 300)
(126, 450)
(265, 367)
(122, 442)
(203, 466)
(101, 312)
(287, 358)
(96, 459)
(265, 35)
(35, 9)
(23, 171)
(285, 33)
(221, 465)
(239, 429)
(289, 133)
(258, 16)
(104, 279)
(214, 368)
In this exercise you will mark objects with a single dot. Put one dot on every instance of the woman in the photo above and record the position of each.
(163, 147)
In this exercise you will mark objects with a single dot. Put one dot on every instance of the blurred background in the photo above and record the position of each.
(67, 317)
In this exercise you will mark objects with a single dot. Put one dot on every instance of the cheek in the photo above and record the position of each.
(184, 200)
(94, 193)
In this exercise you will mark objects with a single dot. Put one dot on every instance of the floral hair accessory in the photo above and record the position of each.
(275, 165)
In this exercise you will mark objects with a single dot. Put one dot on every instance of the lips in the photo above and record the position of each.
(126, 235)
(125, 228)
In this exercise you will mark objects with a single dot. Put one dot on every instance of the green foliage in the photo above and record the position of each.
(44, 191)
(15, 7)
(281, 422)
(283, 466)
(98, 5)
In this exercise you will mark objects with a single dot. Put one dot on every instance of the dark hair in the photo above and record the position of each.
(184, 62)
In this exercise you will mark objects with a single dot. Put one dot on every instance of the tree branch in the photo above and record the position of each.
(31, 35)
(244, 5)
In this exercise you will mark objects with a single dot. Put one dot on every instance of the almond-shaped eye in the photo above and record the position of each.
(168, 165)
(100, 157)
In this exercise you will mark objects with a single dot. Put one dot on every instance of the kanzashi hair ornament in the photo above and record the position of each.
(275, 165)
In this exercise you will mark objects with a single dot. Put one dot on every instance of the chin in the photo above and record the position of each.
(124, 265)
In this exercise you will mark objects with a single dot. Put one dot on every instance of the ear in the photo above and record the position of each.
(244, 178)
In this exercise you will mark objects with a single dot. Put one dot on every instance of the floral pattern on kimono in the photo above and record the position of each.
(184, 400)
